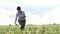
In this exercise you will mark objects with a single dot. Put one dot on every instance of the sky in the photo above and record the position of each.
(37, 12)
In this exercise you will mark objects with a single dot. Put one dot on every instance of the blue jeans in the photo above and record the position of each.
(22, 23)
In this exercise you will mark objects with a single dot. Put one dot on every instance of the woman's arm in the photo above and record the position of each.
(24, 14)
(16, 19)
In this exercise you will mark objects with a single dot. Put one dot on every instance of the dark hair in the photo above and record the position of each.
(18, 8)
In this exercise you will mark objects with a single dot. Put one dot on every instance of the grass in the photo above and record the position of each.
(31, 29)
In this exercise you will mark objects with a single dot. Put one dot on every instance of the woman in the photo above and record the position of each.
(21, 18)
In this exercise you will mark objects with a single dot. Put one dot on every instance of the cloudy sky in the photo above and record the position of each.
(37, 11)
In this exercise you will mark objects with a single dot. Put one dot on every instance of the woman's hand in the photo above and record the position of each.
(15, 23)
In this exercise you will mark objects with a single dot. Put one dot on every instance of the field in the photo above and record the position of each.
(31, 29)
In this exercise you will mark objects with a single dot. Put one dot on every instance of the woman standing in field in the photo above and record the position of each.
(21, 18)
